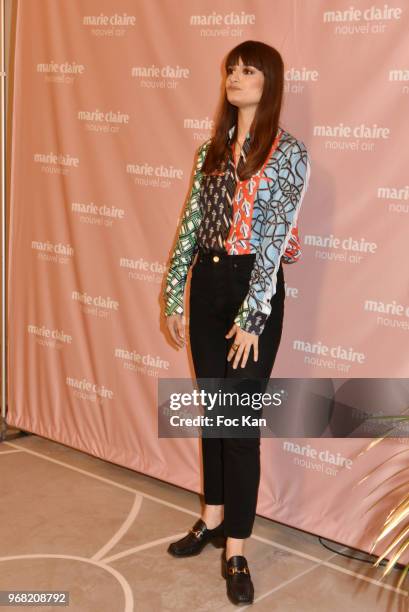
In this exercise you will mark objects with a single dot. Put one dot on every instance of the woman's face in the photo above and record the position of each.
(244, 85)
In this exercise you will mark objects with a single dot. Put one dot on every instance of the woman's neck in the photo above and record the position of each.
(244, 121)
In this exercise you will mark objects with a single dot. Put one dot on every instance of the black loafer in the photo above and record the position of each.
(197, 538)
(239, 585)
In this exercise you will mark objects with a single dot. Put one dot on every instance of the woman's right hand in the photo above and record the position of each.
(176, 327)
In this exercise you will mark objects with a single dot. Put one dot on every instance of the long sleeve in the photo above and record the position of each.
(281, 217)
(186, 243)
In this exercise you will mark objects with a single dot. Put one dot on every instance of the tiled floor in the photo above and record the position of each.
(73, 522)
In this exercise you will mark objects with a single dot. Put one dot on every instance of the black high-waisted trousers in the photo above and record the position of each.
(231, 466)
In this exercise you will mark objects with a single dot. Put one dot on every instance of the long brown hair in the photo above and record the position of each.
(265, 124)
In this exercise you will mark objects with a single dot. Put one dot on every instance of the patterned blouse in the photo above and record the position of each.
(257, 215)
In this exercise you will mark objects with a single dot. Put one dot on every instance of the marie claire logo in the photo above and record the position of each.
(198, 124)
(335, 357)
(323, 460)
(337, 352)
(85, 389)
(400, 195)
(115, 19)
(347, 250)
(97, 300)
(65, 68)
(56, 163)
(222, 24)
(296, 78)
(395, 313)
(55, 252)
(52, 247)
(104, 121)
(361, 131)
(227, 19)
(97, 215)
(200, 127)
(48, 336)
(370, 20)
(351, 137)
(141, 363)
(111, 25)
(60, 72)
(160, 77)
(141, 269)
(372, 13)
(146, 175)
(301, 74)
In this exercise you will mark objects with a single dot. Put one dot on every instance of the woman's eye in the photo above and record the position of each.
(245, 70)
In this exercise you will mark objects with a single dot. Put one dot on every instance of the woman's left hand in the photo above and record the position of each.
(245, 340)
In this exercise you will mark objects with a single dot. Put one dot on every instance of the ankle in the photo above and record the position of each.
(212, 522)
(213, 515)
(234, 546)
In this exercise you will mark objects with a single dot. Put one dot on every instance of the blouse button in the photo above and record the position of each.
(216, 258)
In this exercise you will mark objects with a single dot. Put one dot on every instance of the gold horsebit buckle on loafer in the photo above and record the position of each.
(197, 532)
(237, 570)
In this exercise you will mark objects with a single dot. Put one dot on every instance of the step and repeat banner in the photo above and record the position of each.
(112, 98)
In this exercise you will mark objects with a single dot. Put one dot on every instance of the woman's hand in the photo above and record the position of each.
(176, 327)
(245, 340)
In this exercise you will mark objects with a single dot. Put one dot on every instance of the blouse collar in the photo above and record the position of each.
(231, 134)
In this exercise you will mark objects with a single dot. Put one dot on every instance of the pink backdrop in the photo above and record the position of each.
(112, 98)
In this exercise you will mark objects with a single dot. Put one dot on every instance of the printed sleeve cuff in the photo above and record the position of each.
(252, 321)
(173, 309)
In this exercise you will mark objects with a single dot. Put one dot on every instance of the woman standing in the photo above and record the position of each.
(241, 221)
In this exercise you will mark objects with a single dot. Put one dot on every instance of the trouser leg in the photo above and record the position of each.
(231, 466)
(241, 459)
(241, 456)
(207, 328)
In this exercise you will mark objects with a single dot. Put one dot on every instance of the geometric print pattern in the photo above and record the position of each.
(275, 214)
(216, 201)
(186, 245)
(258, 215)
(293, 251)
(240, 230)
